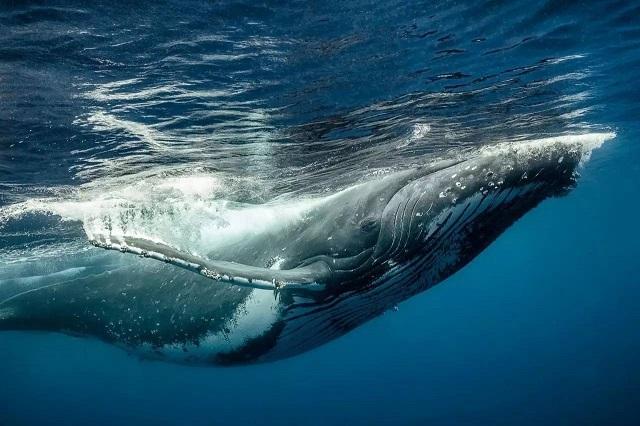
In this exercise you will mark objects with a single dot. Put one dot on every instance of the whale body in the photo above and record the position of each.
(273, 292)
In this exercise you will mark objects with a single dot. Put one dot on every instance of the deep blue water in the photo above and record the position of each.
(282, 101)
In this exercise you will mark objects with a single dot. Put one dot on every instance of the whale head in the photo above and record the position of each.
(451, 207)
(448, 215)
(432, 221)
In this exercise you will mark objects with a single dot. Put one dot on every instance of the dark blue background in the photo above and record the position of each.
(542, 328)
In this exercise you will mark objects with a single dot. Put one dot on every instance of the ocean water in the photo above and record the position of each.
(185, 111)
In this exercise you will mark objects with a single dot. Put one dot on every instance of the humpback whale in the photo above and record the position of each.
(277, 291)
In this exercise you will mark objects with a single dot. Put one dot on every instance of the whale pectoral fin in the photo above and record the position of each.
(309, 277)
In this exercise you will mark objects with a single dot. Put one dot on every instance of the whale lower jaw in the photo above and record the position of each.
(441, 258)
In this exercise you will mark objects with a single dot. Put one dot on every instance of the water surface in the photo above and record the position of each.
(190, 108)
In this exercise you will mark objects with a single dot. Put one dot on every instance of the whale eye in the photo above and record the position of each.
(368, 224)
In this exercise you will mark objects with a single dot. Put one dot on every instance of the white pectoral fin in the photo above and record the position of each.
(311, 277)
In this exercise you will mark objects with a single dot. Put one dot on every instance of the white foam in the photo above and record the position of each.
(201, 186)
(189, 211)
(586, 143)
